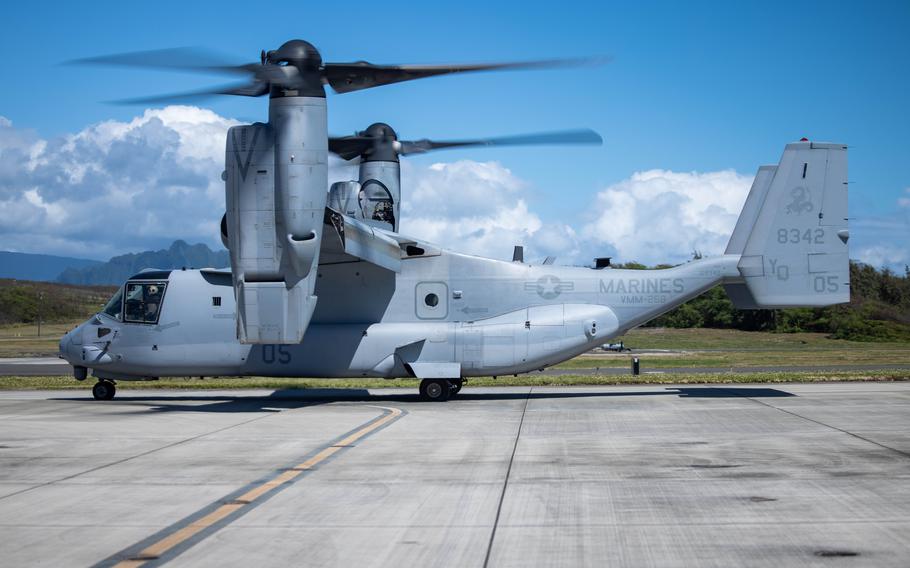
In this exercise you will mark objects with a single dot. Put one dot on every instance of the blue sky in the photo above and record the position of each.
(694, 86)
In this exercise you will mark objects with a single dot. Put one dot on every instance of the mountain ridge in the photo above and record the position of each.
(39, 267)
(119, 268)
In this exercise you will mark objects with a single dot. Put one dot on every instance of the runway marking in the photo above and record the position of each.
(182, 535)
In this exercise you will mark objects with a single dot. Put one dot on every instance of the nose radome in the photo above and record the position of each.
(71, 345)
(68, 349)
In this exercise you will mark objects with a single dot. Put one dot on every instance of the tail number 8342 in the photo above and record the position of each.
(795, 236)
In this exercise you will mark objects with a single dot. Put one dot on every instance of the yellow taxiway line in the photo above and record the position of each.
(181, 535)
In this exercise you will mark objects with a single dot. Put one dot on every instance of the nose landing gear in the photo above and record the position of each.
(439, 390)
(104, 390)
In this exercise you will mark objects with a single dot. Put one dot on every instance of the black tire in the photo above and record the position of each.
(455, 386)
(435, 390)
(104, 390)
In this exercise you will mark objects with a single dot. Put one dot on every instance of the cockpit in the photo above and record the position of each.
(138, 301)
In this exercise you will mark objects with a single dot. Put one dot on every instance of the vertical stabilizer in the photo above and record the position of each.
(752, 206)
(738, 292)
(796, 252)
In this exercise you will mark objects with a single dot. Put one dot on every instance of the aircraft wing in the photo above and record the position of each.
(346, 239)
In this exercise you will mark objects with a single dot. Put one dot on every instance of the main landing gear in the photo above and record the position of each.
(439, 390)
(104, 390)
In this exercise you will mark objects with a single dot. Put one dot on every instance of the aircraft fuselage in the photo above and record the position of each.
(445, 315)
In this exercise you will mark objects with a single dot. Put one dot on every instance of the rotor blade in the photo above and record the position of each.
(245, 90)
(349, 147)
(584, 136)
(347, 77)
(179, 58)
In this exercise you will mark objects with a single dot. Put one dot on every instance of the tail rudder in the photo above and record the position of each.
(795, 253)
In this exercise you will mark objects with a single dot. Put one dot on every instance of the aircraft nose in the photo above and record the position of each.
(69, 351)
(66, 346)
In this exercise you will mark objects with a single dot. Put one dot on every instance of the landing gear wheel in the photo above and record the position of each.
(455, 386)
(435, 390)
(104, 390)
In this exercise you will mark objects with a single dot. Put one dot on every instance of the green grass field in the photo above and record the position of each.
(22, 340)
(724, 348)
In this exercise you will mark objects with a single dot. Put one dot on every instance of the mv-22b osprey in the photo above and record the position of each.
(323, 284)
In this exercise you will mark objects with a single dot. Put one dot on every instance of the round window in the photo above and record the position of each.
(431, 300)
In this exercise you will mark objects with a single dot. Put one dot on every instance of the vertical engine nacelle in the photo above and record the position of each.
(276, 176)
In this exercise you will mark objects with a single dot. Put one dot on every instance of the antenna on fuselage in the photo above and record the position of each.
(518, 254)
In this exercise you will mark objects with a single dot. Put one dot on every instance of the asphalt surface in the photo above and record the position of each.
(789, 475)
(34, 367)
(50, 366)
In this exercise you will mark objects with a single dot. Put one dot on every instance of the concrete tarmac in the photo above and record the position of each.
(781, 475)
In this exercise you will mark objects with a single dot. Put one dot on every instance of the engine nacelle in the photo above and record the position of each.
(276, 198)
(380, 192)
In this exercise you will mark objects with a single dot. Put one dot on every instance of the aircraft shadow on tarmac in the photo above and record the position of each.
(288, 399)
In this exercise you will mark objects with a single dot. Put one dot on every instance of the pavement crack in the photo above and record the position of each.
(820, 423)
(505, 484)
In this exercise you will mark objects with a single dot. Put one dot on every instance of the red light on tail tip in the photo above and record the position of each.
(803, 139)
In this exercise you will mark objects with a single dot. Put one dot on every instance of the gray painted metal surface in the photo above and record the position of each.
(276, 180)
(794, 256)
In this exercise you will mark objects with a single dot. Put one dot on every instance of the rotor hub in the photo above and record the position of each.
(384, 147)
(301, 54)
(380, 131)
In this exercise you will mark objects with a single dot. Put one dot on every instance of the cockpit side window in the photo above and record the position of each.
(114, 306)
(143, 301)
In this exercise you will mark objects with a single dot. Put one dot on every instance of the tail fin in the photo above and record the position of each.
(739, 293)
(754, 202)
(795, 253)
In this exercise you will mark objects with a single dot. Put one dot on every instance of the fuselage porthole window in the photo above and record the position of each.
(431, 300)
(143, 301)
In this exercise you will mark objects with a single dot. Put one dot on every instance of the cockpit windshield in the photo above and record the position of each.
(114, 306)
(143, 301)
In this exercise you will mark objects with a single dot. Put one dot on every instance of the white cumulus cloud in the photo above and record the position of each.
(471, 207)
(904, 201)
(663, 216)
(114, 186)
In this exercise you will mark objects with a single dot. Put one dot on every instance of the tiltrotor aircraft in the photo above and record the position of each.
(323, 285)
